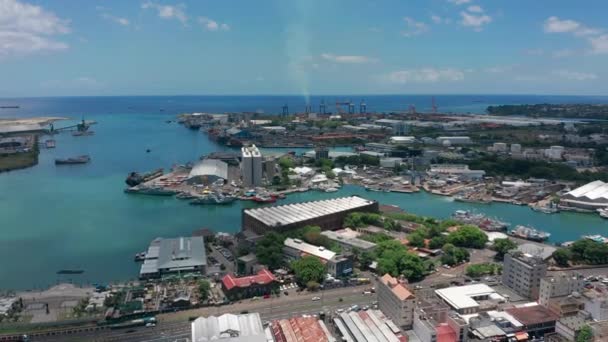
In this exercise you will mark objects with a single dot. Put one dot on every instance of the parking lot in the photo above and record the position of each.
(221, 256)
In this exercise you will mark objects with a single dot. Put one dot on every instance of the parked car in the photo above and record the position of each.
(314, 299)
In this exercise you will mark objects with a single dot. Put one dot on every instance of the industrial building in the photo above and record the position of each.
(457, 170)
(208, 171)
(179, 255)
(300, 329)
(337, 265)
(348, 239)
(470, 299)
(259, 284)
(229, 328)
(327, 214)
(590, 196)
(396, 301)
(251, 166)
(454, 140)
(522, 273)
(365, 326)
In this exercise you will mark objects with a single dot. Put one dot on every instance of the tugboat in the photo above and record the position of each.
(529, 233)
(74, 160)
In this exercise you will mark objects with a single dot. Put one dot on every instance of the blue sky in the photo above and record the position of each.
(73, 47)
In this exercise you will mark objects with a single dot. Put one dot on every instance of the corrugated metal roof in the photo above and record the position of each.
(210, 167)
(319, 252)
(229, 328)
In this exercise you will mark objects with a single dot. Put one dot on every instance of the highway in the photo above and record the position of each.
(176, 327)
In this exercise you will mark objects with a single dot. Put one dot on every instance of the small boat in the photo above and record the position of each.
(9, 107)
(67, 271)
(544, 209)
(529, 233)
(264, 199)
(186, 195)
(74, 160)
(82, 133)
(603, 213)
(140, 256)
(331, 189)
(49, 143)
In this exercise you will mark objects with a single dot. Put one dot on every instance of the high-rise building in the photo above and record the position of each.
(396, 301)
(270, 165)
(251, 166)
(559, 285)
(522, 273)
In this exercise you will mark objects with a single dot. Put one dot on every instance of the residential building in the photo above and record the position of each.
(396, 301)
(262, 283)
(270, 166)
(328, 214)
(251, 166)
(229, 328)
(337, 265)
(179, 255)
(537, 319)
(559, 285)
(245, 264)
(321, 152)
(596, 303)
(522, 273)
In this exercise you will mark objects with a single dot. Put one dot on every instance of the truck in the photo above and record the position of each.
(140, 322)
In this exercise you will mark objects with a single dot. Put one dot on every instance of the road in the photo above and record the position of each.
(175, 326)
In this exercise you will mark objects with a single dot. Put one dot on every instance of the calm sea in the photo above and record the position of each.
(77, 217)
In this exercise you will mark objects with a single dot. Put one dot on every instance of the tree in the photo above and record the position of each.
(562, 257)
(269, 250)
(204, 289)
(585, 334)
(393, 258)
(286, 163)
(366, 259)
(307, 269)
(453, 255)
(313, 286)
(479, 270)
(502, 246)
(468, 236)
(437, 242)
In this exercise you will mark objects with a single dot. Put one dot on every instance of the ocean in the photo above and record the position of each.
(77, 217)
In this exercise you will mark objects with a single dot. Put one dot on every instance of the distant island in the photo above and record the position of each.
(587, 111)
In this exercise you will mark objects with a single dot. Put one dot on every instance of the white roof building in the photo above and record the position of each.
(465, 299)
(589, 196)
(229, 328)
(303, 247)
(210, 169)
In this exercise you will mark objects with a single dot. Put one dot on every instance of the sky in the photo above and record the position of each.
(123, 47)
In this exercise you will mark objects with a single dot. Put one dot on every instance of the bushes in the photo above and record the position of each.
(502, 246)
(308, 269)
(393, 258)
(479, 270)
(468, 236)
(454, 255)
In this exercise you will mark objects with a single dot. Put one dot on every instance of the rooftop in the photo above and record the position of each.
(229, 328)
(263, 277)
(531, 315)
(398, 289)
(299, 212)
(207, 167)
(174, 254)
(591, 191)
(461, 297)
(300, 329)
(306, 248)
(346, 236)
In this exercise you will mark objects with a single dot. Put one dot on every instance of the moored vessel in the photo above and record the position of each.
(529, 233)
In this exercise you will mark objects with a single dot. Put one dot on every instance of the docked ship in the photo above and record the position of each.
(529, 233)
(480, 220)
(74, 160)
(135, 178)
(213, 199)
(550, 209)
(603, 212)
(480, 200)
(154, 191)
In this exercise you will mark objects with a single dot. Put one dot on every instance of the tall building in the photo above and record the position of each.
(251, 166)
(522, 273)
(559, 285)
(396, 301)
(270, 165)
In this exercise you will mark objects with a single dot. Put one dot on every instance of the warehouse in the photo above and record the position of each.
(590, 196)
(229, 328)
(327, 214)
(208, 171)
(184, 254)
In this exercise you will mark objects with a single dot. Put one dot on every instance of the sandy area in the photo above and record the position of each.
(41, 120)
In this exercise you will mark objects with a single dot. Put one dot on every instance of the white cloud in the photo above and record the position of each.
(26, 28)
(575, 75)
(212, 25)
(436, 19)
(414, 27)
(475, 9)
(459, 2)
(475, 21)
(346, 59)
(424, 75)
(556, 25)
(118, 20)
(599, 44)
(499, 69)
(167, 11)
(562, 53)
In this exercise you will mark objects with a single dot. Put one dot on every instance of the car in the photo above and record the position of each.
(286, 293)
(367, 292)
(366, 307)
(150, 324)
(446, 266)
(340, 310)
(244, 312)
(314, 299)
(266, 296)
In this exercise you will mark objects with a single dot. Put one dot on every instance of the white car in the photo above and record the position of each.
(314, 299)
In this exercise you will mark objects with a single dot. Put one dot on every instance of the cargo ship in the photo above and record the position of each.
(480, 220)
(74, 160)
(529, 233)
(135, 178)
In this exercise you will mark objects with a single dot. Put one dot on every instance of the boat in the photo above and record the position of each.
(331, 189)
(460, 198)
(529, 233)
(596, 238)
(213, 199)
(9, 107)
(82, 133)
(480, 220)
(140, 256)
(264, 199)
(134, 178)
(367, 188)
(67, 271)
(603, 213)
(74, 160)
(544, 209)
(49, 143)
(154, 191)
(186, 195)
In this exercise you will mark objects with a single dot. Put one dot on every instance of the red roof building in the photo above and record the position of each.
(259, 284)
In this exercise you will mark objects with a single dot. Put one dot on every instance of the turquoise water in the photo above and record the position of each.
(77, 217)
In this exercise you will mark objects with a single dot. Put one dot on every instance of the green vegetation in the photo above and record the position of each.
(308, 269)
(562, 257)
(358, 160)
(552, 110)
(497, 166)
(454, 255)
(478, 270)
(376, 237)
(585, 334)
(502, 246)
(393, 258)
(358, 220)
(588, 252)
(15, 161)
(204, 289)
(468, 236)
(269, 250)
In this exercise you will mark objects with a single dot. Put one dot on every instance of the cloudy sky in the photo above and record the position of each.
(74, 47)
